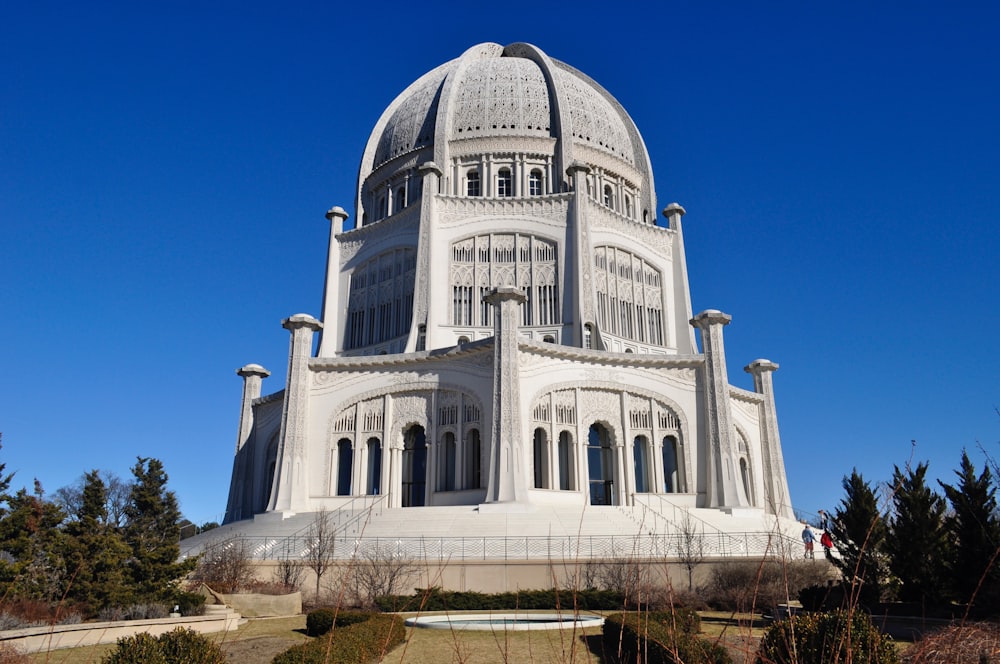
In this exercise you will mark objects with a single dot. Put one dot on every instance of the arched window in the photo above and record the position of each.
(609, 196)
(505, 183)
(549, 339)
(374, 487)
(473, 187)
(399, 200)
(588, 336)
(628, 206)
(540, 449)
(535, 183)
(414, 467)
(463, 340)
(640, 455)
(473, 460)
(671, 477)
(421, 337)
(567, 475)
(345, 456)
(446, 463)
(601, 465)
(747, 484)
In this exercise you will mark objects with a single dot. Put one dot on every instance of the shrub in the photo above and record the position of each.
(659, 637)
(761, 585)
(435, 599)
(826, 638)
(185, 646)
(321, 621)
(972, 642)
(181, 646)
(359, 642)
(10, 655)
(189, 604)
(139, 649)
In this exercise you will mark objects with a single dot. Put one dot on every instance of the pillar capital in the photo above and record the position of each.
(577, 166)
(672, 209)
(337, 212)
(429, 167)
(760, 366)
(711, 317)
(503, 293)
(301, 320)
(252, 370)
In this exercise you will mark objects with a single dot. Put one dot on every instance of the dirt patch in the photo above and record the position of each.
(257, 650)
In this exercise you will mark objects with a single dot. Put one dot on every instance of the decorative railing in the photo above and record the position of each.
(454, 549)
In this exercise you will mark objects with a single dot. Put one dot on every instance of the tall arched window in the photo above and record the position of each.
(505, 183)
(446, 463)
(383, 207)
(670, 471)
(609, 196)
(640, 457)
(540, 450)
(601, 465)
(414, 467)
(473, 187)
(374, 487)
(535, 183)
(588, 336)
(345, 456)
(567, 463)
(473, 460)
(399, 200)
(747, 484)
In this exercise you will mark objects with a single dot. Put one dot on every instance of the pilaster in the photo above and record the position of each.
(721, 487)
(290, 491)
(777, 499)
(578, 282)
(681, 300)
(507, 479)
(330, 338)
(240, 503)
(423, 307)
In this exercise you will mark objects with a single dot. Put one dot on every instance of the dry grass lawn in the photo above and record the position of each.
(258, 641)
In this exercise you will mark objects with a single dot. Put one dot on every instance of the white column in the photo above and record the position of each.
(777, 499)
(290, 491)
(722, 466)
(329, 340)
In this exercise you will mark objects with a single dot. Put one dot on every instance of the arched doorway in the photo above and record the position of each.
(374, 487)
(345, 458)
(671, 478)
(601, 465)
(414, 467)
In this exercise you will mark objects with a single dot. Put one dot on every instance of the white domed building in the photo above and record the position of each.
(506, 342)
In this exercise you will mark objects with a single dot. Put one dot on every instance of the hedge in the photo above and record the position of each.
(826, 638)
(659, 637)
(180, 646)
(435, 599)
(321, 621)
(357, 643)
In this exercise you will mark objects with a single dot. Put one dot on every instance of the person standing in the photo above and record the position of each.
(827, 542)
(824, 520)
(808, 538)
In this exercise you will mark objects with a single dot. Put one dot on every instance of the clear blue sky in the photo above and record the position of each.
(165, 169)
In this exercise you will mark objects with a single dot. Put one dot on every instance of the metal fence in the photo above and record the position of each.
(444, 549)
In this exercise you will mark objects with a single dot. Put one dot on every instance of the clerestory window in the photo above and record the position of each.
(473, 187)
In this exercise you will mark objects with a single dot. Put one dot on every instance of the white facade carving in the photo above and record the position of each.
(507, 324)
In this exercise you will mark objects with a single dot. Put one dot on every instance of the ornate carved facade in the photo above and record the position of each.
(506, 323)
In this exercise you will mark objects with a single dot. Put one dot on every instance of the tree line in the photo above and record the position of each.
(95, 546)
(919, 544)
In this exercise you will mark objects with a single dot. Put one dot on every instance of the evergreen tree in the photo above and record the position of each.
(96, 553)
(918, 547)
(152, 532)
(859, 530)
(33, 566)
(975, 530)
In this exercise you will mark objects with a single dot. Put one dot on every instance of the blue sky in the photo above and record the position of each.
(165, 169)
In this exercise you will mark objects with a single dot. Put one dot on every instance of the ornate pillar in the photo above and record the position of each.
(776, 496)
(240, 503)
(579, 290)
(721, 486)
(678, 307)
(423, 306)
(506, 482)
(333, 326)
(290, 491)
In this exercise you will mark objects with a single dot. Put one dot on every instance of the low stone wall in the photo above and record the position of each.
(56, 637)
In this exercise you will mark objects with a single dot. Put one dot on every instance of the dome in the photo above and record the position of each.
(496, 98)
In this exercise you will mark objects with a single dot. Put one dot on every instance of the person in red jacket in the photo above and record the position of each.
(827, 543)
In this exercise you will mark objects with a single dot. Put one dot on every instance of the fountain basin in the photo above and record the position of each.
(506, 621)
